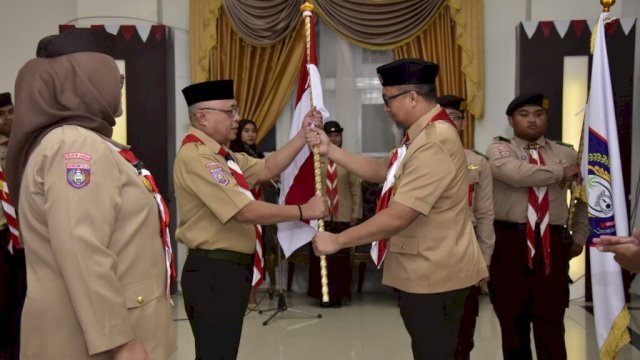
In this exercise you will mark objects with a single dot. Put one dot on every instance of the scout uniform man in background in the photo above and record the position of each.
(217, 215)
(481, 207)
(530, 264)
(345, 210)
(13, 277)
(430, 265)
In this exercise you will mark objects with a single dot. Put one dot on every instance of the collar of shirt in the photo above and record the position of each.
(521, 143)
(421, 123)
(209, 142)
(3, 140)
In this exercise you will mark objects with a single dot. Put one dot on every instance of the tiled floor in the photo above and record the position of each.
(370, 328)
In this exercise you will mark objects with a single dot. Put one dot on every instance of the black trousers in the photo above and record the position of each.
(13, 289)
(338, 269)
(522, 296)
(216, 294)
(468, 324)
(433, 322)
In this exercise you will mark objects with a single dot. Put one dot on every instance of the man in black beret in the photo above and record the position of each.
(481, 209)
(217, 214)
(13, 281)
(431, 265)
(530, 262)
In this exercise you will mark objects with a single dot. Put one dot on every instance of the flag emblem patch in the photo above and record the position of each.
(78, 175)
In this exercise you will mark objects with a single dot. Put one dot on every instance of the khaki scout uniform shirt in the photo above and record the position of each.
(349, 193)
(95, 259)
(431, 255)
(4, 142)
(208, 197)
(513, 175)
(481, 202)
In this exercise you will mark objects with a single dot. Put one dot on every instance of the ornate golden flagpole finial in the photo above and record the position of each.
(607, 4)
(306, 10)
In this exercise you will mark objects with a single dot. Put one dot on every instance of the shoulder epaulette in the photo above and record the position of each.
(501, 138)
(481, 154)
(564, 144)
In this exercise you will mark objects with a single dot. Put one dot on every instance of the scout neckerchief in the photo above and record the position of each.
(332, 188)
(538, 210)
(379, 248)
(163, 211)
(10, 215)
(243, 186)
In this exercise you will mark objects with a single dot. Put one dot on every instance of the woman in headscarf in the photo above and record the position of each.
(91, 221)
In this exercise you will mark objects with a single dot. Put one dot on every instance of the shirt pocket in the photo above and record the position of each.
(139, 294)
(404, 245)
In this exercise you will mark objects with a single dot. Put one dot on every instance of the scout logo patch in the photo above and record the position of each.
(503, 149)
(217, 173)
(472, 166)
(78, 175)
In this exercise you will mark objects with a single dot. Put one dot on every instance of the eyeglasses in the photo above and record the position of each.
(230, 112)
(387, 99)
(121, 81)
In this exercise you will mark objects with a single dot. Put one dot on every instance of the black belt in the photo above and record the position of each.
(522, 226)
(224, 255)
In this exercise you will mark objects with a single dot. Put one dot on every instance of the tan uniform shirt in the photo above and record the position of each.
(349, 193)
(432, 255)
(95, 259)
(4, 142)
(513, 175)
(208, 197)
(481, 202)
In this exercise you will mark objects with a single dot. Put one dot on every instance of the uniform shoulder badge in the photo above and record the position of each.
(564, 144)
(217, 173)
(481, 154)
(78, 175)
(501, 139)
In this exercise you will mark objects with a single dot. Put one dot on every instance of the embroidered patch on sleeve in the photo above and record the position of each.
(78, 175)
(77, 155)
(217, 173)
(503, 149)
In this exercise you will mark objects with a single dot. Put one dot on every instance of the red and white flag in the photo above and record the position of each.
(297, 182)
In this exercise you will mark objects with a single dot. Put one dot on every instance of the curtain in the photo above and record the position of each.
(436, 43)
(263, 76)
(203, 15)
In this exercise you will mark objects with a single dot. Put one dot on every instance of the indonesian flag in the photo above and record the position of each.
(605, 194)
(297, 182)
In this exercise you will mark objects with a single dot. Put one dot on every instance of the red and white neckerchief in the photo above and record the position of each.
(379, 248)
(538, 211)
(243, 186)
(332, 188)
(10, 215)
(163, 211)
(472, 188)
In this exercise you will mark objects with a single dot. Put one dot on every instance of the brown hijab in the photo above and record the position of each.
(78, 89)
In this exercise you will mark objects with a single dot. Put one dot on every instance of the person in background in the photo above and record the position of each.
(219, 215)
(430, 264)
(625, 248)
(13, 277)
(345, 210)
(481, 207)
(530, 264)
(91, 218)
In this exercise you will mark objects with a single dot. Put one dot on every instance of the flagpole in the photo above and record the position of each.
(307, 9)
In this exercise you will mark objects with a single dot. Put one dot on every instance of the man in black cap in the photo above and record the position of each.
(13, 281)
(530, 263)
(430, 264)
(217, 214)
(345, 210)
(481, 209)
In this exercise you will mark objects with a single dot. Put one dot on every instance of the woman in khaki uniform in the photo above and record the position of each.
(431, 265)
(96, 269)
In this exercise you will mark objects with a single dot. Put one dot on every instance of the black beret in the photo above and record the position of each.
(527, 99)
(5, 99)
(452, 102)
(208, 90)
(408, 71)
(77, 40)
(332, 126)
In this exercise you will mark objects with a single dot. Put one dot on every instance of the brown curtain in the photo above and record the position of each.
(263, 76)
(263, 22)
(437, 43)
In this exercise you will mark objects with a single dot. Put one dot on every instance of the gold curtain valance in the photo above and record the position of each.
(263, 22)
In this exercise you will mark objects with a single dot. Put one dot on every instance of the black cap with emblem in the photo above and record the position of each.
(527, 99)
(332, 126)
(5, 99)
(208, 90)
(408, 71)
(77, 40)
(452, 102)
